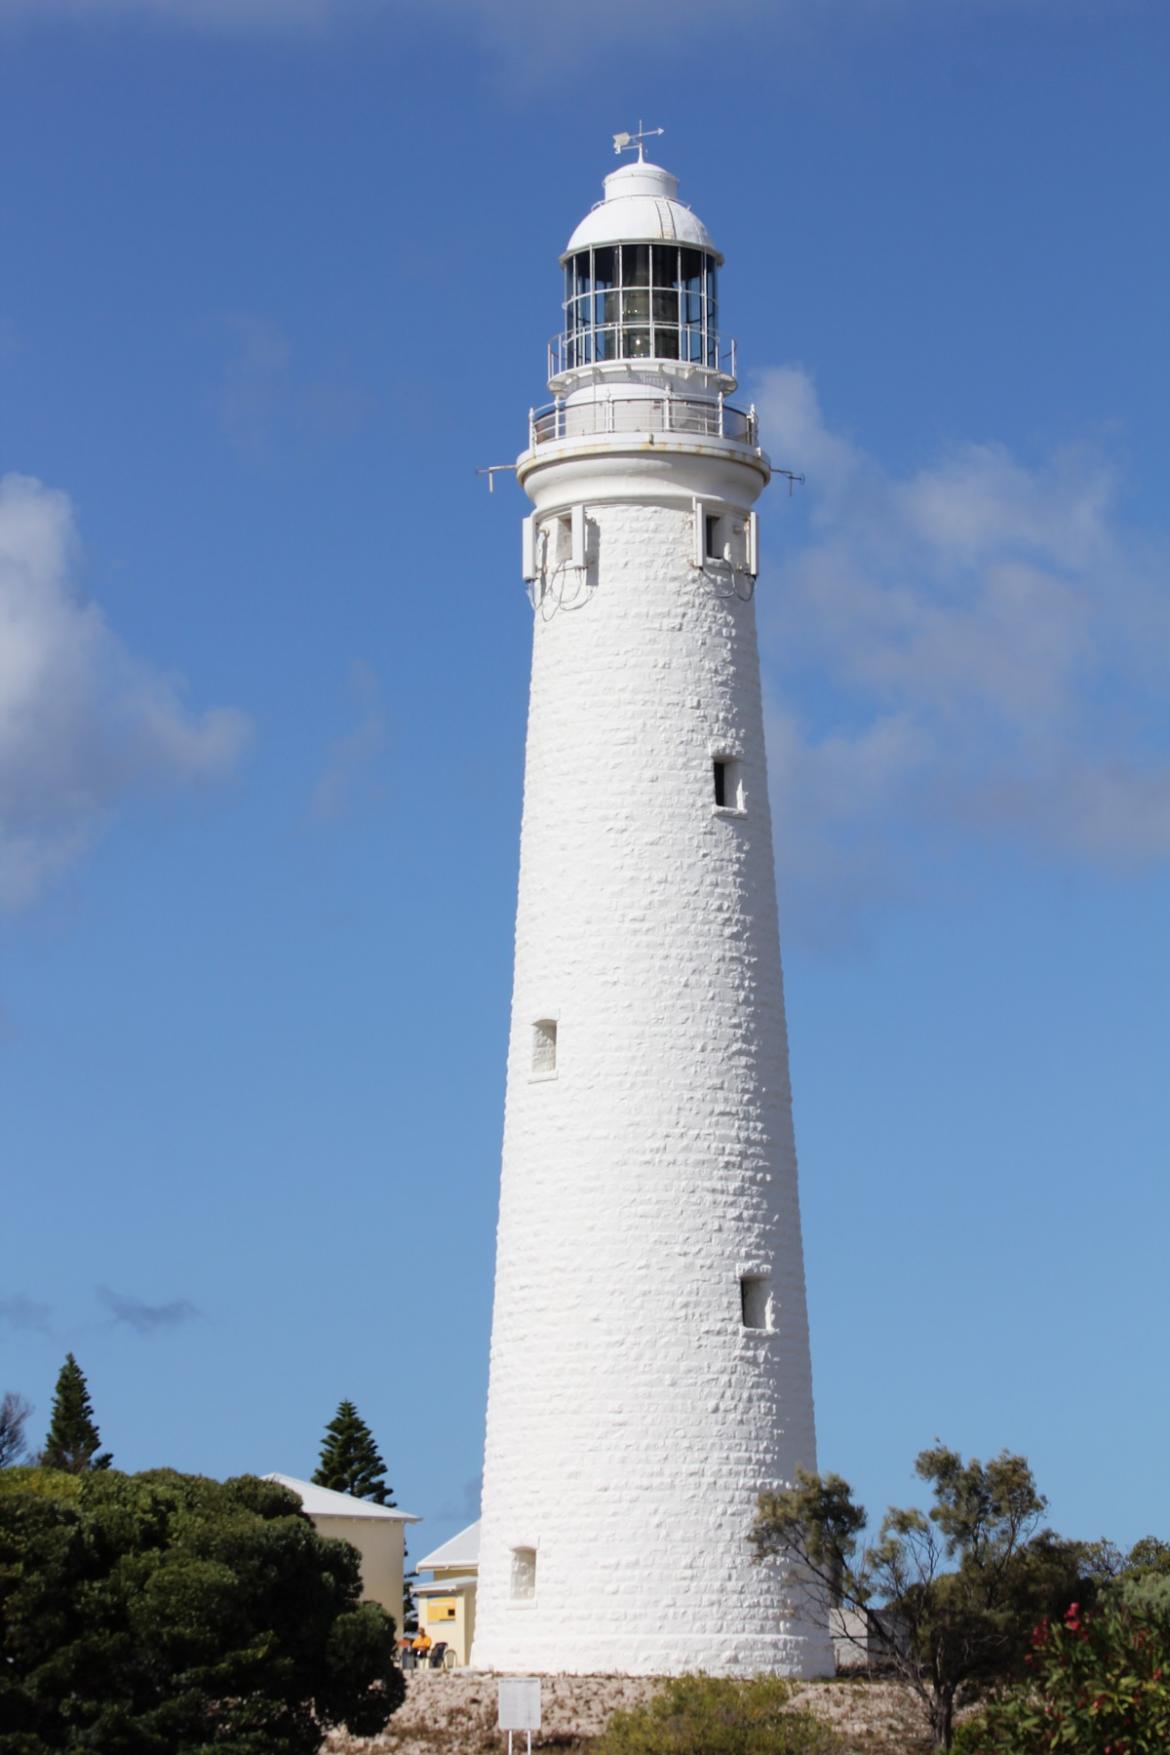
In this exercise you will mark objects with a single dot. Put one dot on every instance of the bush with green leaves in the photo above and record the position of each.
(716, 1715)
(166, 1614)
(1099, 1685)
(960, 1586)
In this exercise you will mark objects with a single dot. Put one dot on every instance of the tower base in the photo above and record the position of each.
(803, 1653)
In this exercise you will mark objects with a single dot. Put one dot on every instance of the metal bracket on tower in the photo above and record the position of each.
(791, 477)
(493, 469)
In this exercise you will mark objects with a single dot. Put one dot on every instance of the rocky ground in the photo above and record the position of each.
(454, 1713)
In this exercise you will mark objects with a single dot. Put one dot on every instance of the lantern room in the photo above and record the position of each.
(641, 281)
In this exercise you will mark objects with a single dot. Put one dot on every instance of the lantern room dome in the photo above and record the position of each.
(641, 205)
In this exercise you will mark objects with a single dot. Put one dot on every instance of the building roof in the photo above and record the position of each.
(324, 1502)
(641, 206)
(460, 1550)
(441, 1587)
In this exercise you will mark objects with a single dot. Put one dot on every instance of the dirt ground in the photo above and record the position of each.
(454, 1713)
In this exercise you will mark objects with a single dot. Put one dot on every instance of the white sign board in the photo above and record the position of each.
(519, 1703)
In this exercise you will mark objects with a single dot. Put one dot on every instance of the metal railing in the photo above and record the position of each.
(714, 419)
(606, 344)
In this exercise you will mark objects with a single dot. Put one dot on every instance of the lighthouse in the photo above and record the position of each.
(650, 1369)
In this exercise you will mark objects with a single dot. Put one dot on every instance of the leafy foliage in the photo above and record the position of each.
(962, 1585)
(165, 1614)
(715, 1715)
(1100, 1685)
(74, 1440)
(350, 1462)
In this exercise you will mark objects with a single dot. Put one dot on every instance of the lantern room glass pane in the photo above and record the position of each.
(641, 301)
(636, 306)
(635, 264)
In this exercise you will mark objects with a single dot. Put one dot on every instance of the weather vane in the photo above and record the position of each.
(625, 142)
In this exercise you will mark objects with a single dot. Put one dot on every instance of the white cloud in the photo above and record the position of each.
(83, 723)
(977, 647)
(348, 764)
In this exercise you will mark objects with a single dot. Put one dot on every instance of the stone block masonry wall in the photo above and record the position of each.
(632, 1418)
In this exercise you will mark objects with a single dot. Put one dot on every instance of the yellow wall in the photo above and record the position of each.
(459, 1631)
(379, 1545)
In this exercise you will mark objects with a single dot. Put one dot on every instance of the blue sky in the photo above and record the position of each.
(277, 278)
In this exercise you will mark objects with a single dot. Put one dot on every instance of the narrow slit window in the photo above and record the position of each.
(711, 537)
(544, 1048)
(523, 1574)
(728, 773)
(755, 1300)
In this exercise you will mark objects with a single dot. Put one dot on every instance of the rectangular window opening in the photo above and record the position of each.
(728, 772)
(544, 1048)
(523, 1574)
(755, 1301)
(711, 546)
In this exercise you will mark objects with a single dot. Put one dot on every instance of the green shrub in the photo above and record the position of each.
(1100, 1685)
(716, 1715)
(165, 1614)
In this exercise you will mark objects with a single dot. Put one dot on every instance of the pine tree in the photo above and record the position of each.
(73, 1435)
(349, 1459)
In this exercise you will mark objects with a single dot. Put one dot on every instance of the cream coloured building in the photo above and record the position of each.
(446, 1603)
(378, 1532)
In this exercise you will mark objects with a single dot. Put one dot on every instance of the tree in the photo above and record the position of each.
(14, 1411)
(349, 1459)
(165, 1614)
(73, 1439)
(952, 1629)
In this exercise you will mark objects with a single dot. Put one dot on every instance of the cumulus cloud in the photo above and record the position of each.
(83, 723)
(977, 646)
(348, 764)
(144, 1318)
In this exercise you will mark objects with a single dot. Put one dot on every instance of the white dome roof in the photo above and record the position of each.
(641, 206)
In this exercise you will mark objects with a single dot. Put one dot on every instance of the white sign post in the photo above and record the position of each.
(519, 1707)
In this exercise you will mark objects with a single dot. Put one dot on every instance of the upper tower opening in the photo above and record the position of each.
(640, 279)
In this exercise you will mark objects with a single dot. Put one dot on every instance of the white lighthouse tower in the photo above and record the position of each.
(650, 1361)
